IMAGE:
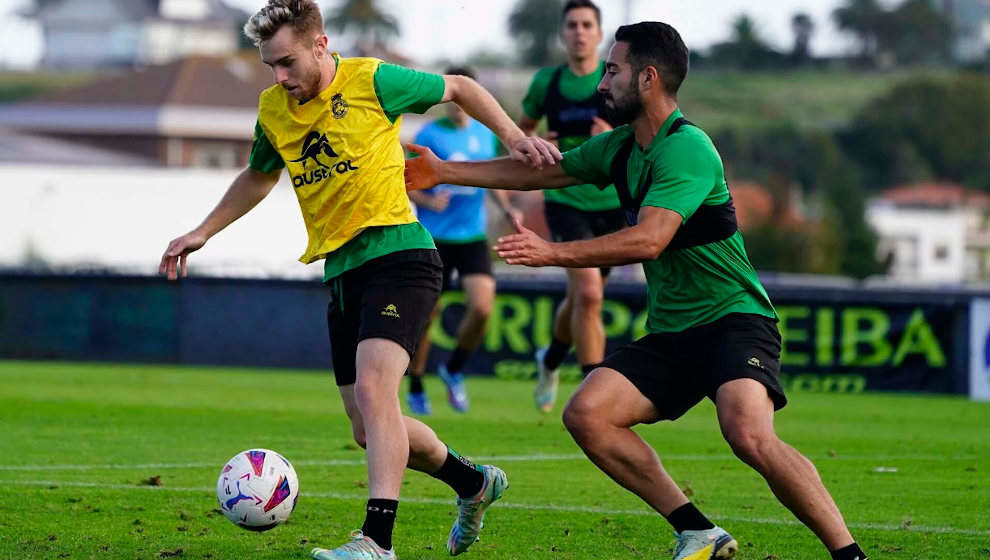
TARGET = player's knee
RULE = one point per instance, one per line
(367, 392)
(588, 298)
(751, 446)
(580, 419)
(480, 311)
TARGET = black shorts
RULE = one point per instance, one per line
(389, 297)
(465, 258)
(676, 370)
(567, 223)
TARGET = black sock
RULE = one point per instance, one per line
(588, 368)
(851, 552)
(688, 518)
(556, 353)
(461, 474)
(379, 520)
(415, 384)
(457, 359)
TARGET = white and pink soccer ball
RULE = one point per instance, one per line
(257, 489)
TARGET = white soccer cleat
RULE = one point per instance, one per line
(360, 548)
(545, 392)
(471, 511)
(706, 544)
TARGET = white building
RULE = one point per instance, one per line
(101, 33)
(933, 233)
(920, 244)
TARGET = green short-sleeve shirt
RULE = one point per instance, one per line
(403, 90)
(575, 88)
(399, 90)
(695, 285)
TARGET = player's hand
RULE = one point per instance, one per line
(421, 172)
(599, 125)
(534, 151)
(174, 260)
(439, 202)
(525, 247)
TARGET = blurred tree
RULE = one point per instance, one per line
(803, 28)
(913, 32)
(781, 158)
(846, 217)
(535, 25)
(745, 49)
(864, 19)
(917, 33)
(926, 127)
(803, 249)
(364, 17)
(484, 57)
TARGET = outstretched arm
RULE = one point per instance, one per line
(477, 102)
(247, 190)
(503, 173)
(641, 242)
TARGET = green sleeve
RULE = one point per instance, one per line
(684, 177)
(402, 90)
(590, 161)
(263, 157)
(532, 103)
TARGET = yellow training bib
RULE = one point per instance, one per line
(343, 155)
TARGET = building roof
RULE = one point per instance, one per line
(234, 81)
(936, 195)
(25, 148)
(208, 97)
(197, 97)
(141, 10)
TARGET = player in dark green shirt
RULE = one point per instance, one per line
(567, 97)
(712, 329)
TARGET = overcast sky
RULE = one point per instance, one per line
(431, 27)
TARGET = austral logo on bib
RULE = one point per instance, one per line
(314, 147)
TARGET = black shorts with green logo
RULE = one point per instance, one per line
(567, 223)
(676, 370)
(389, 297)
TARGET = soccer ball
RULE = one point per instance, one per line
(257, 489)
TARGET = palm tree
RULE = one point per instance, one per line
(535, 23)
(803, 28)
(744, 30)
(746, 48)
(366, 18)
(862, 18)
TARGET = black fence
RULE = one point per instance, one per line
(835, 339)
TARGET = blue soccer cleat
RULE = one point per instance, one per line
(419, 403)
(456, 392)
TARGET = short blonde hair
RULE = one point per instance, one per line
(303, 15)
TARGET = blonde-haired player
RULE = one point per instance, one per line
(333, 124)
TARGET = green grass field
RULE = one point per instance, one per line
(81, 441)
